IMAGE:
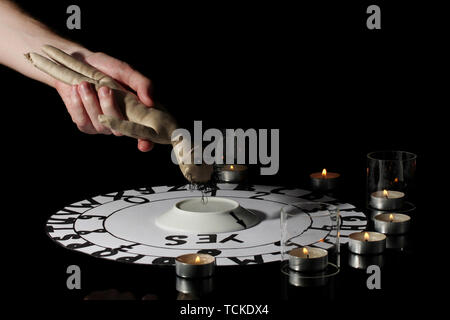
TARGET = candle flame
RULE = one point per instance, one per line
(232, 167)
(197, 259)
(396, 180)
(366, 236)
(391, 217)
(385, 193)
(305, 251)
(324, 173)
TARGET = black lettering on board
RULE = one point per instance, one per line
(164, 260)
(130, 259)
(176, 239)
(213, 252)
(231, 238)
(79, 245)
(91, 204)
(209, 238)
(258, 259)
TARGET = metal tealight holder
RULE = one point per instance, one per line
(309, 257)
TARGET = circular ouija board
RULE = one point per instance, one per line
(121, 225)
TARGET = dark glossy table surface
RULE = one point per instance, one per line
(105, 279)
(335, 90)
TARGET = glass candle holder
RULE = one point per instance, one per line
(390, 180)
(309, 242)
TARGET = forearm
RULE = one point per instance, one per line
(20, 34)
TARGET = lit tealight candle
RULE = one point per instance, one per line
(324, 181)
(233, 173)
(387, 200)
(367, 242)
(308, 259)
(392, 223)
(195, 265)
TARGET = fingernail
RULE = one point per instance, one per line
(84, 87)
(105, 91)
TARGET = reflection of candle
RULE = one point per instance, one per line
(392, 223)
(315, 279)
(194, 265)
(324, 181)
(195, 287)
(232, 173)
(308, 259)
(362, 262)
(387, 199)
(367, 242)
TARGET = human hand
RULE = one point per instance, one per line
(153, 124)
(84, 104)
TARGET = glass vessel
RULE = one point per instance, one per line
(309, 242)
(391, 180)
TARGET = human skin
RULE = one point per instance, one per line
(154, 124)
(20, 33)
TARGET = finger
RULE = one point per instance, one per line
(57, 71)
(72, 100)
(108, 105)
(138, 82)
(145, 145)
(143, 87)
(125, 74)
(130, 128)
(76, 66)
(92, 106)
(78, 113)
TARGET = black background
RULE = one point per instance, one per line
(334, 89)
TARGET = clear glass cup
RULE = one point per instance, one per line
(309, 242)
(391, 180)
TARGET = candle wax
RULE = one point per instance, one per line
(373, 236)
(191, 258)
(312, 253)
(397, 217)
(390, 194)
(236, 167)
(329, 175)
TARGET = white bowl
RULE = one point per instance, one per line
(215, 215)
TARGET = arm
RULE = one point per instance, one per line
(20, 33)
(154, 124)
